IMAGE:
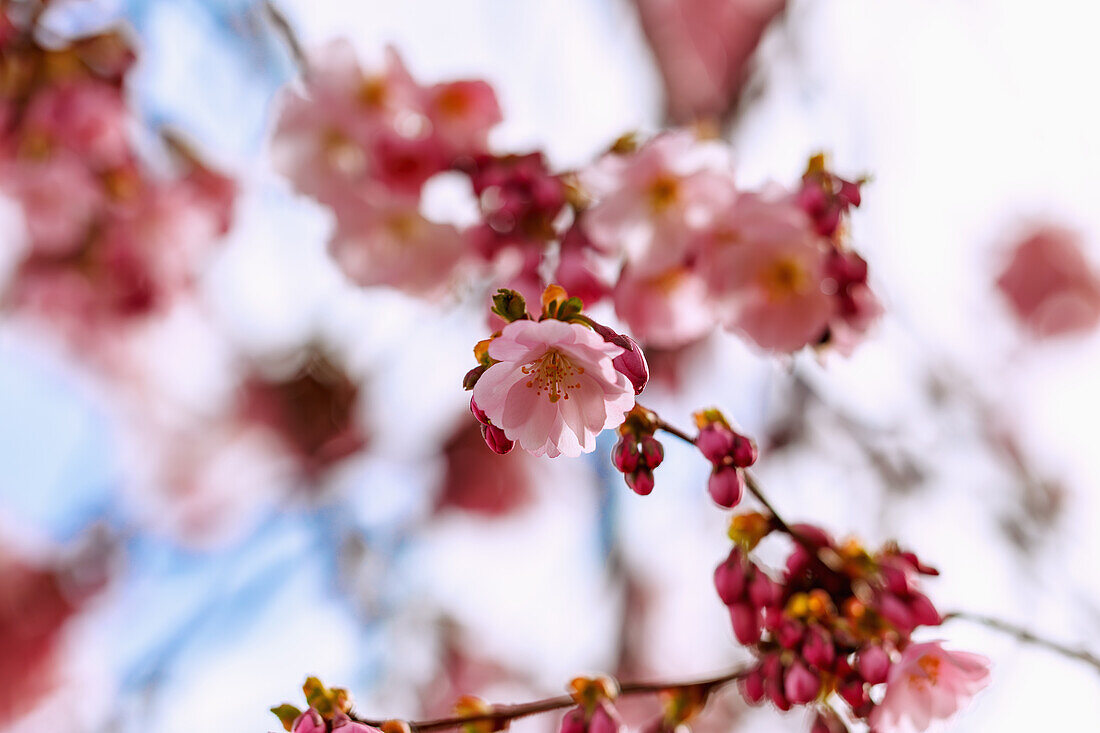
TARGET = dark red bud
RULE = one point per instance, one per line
(652, 451)
(873, 664)
(641, 481)
(729, 579)
(472, 376)
(496, 439)
(715, 442)
(800, 685)
(726, 486)
(746, 623)
(744, 451)
(625, 455)
(752, 686)
(923, 612)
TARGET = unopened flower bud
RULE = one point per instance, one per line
(309, 721)
(854, 692)
(509, 305)
(715, 442)
(773, 687)
(789, 633)
(574, 721)
(763, 591)
(752, 686)
(923, 612)
(641, 481)
(342, 723)
(873, 664)
(746, 623)
(632, 364)
(818, 649)
(729, 578)
(472, 376)
(743, 452)
(496, 439)
(800, 685)
(652, 450)
(604, 719)
(896, 612)
(478, 413)
(726, 486)
(625, 455)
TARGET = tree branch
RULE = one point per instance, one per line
(1027, 637)
(502, 714)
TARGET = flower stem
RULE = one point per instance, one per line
(1026, 636)
(287, 34)
(502, 714)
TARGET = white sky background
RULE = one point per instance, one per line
(972, 117)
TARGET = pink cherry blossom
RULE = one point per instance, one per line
(60, 199)
(650, 203)
(393, 244)
(666, 309)
(765, 265)
(928, 683)
(702, 49)
(554, 387)
(87, 118)
(1050, 286)
(462, 113)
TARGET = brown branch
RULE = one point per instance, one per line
(1027, 637)
(286, 32)
(502, 714)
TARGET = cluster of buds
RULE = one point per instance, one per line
(729, 453)
(595, 711)
(552, 383)
(827, 197)
(637, 451)
(834, 623)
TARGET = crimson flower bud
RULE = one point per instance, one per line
(309, 721)
(773, 686)
(726, 485)
(478, 413)
(715, 442)
(341, 722)
(873, 664)
(773, 616)
(853, 692)
(652, 451)
(641, 481)
(746, 623)
(472, 376)
(604, 719)
(763, 591)
(800, 684)
(496, 439)
(573, 721)
(923, 612)
(752, 686)
(818, 649)
(729, 578)
(896, 612)
(789, 634)
(631, 363)
(625, 454)
(744, 451)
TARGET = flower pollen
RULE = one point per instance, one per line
(550, 373)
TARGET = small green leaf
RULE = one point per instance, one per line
(286, 714)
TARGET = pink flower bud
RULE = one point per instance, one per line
(763, 591)
(478, 413)
(344, 724)
(573, 721)
(818, 648)
(309, 721)
(746, 623)
(873, 664)
(773, 687)
(923, 612)
(752, 686)
(853, 692)
(744, 451)
(896, 612)
(773, 616)
(496, 439)
(726, 485)
(715, 442)
(789, 634)
(652, 451)
(729, 578)
(800, 684)
(625, 454)
(895, 580)
(604, 719)
(641, 481)
(631, 363)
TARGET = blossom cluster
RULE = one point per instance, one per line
(108, 239)
(658, 227)
(839, 621)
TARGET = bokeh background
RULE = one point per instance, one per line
(950, 429)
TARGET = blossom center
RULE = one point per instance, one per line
(783, 278)
(373, 92)
(553, 374)
(663, 192)
(930, 669)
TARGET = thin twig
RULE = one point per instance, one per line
(504, 713)
(1026, 636)
(286, 32)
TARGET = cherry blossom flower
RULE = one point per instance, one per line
(87, 118)
(393, 244)
(462, 113)
(60, 199)
(765, 265)
(650, 203)
(1050, 286)
(928, 683)
(553, 387)
(702, 49)
(666, 309)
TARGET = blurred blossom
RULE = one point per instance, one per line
(703, 49)
(666, 309)
(478, 480)
(1050, 285)
(928, 683)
